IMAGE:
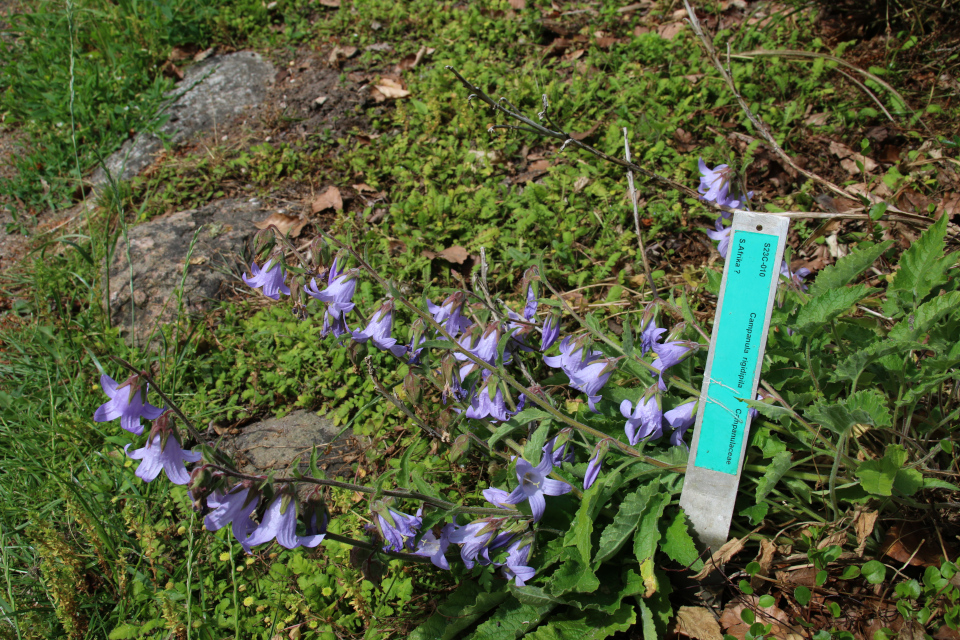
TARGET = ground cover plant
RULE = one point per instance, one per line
(855, 423)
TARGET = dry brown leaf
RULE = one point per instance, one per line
(330, 3)
(203, 55)
(363, 186)
(765, 559)
(729, 549)
(640, 30)
(391, 89)
(914, 543)
(284, 222)
(518, 4)
(329, 199)
(669, 30)
(171, 71)
(863, 523)
(779, 621)
(576, 54)
(849, 158)
(580, 184)
(817, 119)
(341, 53)
(698, 623)
(606, 42)
(950, 205)
(456, 254)
(539, 165)
(318, 102)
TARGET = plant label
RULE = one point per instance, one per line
(750, 278)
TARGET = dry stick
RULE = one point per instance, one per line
(636, 217)
(758, 123)
(506, 377)
(535, 128)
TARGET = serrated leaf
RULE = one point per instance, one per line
(847, 268)
(502, 432)
(581, 530)
(531, 414)
(627, 339)
(678, 544)
(851, 368)
(827, 306)
(512, 619)
(586, 625)
(780, 464)
(922, 267)
(874, 404)
(877, 476)
(461, 609)
(624, 523)
(536, 596)
(648, 532)
(908, 481)
(656, 612)
(572, 576)
(403, 478)
(775, 413)
(612, 590)
(916, 325)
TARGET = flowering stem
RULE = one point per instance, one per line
(636, 219)
(509, 379)
(410, 557)
(396, 401)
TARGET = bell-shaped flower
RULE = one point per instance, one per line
(280, 522)
(593, 465)
(334, 322)
(715, 186)
(417, 338)
(475, 537)
(449, 313)
(534, 485)
(436, 548)
(378, 331)
(269, 279)
(671, 353)
(591, 378)
(233, 508)
(339, 292)
(518, 555)
(489, 401)
(398, 529)
(723, 236)
(168, 456)
(572, 356)
(559, 447)
(644, 421)
(649, 333)
(680, 419)
(497, 497)
(797, 277)
(550, 332)
(127, 402)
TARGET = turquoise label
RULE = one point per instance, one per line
(737, 349)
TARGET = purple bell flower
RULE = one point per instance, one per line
(269, 279)
(282, 525)
(475, 537)
(550, 332)
(680, 419)
(334, 322)
(572, 357)
(721, 235)
(797, 276)
(339, 292)
(559, 449)
(497, 497)
(483, 405)
(233, 508)
(671, 353)
(644, 422)
(518, 554)
(534, 485)
(398, 529)
(593, 465)
(450, 312)
(378, 331)
(649, 336)
(127, 402)
(436, 548)
(170, 458)
(715, 186)
(591, 378)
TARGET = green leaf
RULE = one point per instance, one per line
(535, 596)
(624, 523)
(775, 413)
(872, 403)
(648, 533)
(461, 609)
(847, 268)
(934, 483)
(780, 464)
(586, 625)
(916, 326)
(403, 477)
(851, 368)
(533, 450)
(502, 432)
(802, 595)
(512, 619)
(922, 267)
(124, 632)
(656, 612)
(530, 414)
(908, 481)
(827, 306)
(572, 576)
(678, 544)
(627, 339)
(877, 476)
(874, 572)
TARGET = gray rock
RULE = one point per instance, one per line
(158, 250)
(274, 443)
(210, 94)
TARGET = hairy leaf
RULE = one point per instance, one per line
(586, 625)
(678, 544)
(780, 465)
(648, 533)
(461, 609)
(847, 268)
(827, 306)
(916, 325)
(512, 619)
(624, 523)
(922, 267)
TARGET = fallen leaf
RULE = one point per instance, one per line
(412, 60)
(950, 205)
(362, 187)
(179, 54)
(777, 618)
(817, 119)
(284, 223)
(539, 165)
(329, 199)
(640, 30)
(171, 70)
(669, 30)
(765, 560)
(580, 184)
(576, 54)
(455, 254)
(911, 542)
(341, 53)
(527, 176)
(698, 623)
(318, 102)
(391, 89)
(397, 247)
(518, 4)
(203, 55)
(606, 42)
(330, 3)
(429, 255)
(849, 158)
(721, 556)
(380, 46)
